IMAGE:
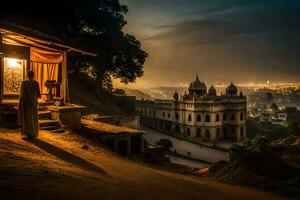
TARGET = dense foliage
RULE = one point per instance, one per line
(250, 148)
(273, 132)
(166, 143)
(263, 157)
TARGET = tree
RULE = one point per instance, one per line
(96, 25)
(274, 107)
(166, 143)
(119, 92)
(124, 59)
(269, 97)
(294, 128)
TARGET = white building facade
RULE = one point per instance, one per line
(200, 115)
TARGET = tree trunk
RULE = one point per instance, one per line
(99, 83)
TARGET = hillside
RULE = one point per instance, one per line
(55, 166)
(262, 164)
(137, 93)
(105, 105)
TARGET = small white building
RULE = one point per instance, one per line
(275, 117)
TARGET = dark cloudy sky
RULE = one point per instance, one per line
(221, 40)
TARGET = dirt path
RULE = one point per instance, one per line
(182, 147)
(56, 167)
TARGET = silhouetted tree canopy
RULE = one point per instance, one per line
(94, 25)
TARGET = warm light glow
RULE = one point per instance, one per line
(14, 63)
(13, 75)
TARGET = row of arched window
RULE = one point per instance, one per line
(198, 117)
(199, 132)
(150, 113)
(208, 118)
(164, 115)
(207, 132)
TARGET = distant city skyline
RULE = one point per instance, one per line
(221, 41)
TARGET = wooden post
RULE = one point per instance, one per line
(65, 88)
(1, 67)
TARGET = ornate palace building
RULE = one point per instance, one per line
(199, 115)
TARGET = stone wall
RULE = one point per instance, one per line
(129, 121)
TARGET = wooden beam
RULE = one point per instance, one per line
(66, 47)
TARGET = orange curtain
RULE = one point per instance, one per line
(44, 72)
(46, 56)
(45, 65)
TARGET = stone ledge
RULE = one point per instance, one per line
(108, 129)
(67, 108)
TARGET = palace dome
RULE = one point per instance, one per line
(212, 91)
(231, 88)
(197, 85)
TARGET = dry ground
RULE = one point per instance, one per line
(56, 167)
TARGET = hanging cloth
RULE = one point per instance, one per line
(44, 72)
(45, 56)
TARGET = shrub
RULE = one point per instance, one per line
(258, 145)
(261, 156)
(166, 143)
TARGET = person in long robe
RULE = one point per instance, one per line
(28, 107)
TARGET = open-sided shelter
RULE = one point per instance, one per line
(23, 49)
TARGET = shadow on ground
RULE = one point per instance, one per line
(66, 156)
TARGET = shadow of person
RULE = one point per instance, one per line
(66, 156)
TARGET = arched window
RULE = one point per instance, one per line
(169, 115)
(217, 118)
(242, 131)
(224, 130)
(198, 118)
(161, 125)
(188, 131)
(163, 114)
(224, 117)
(198, 134)
(233, 130)
(176, 116)
(190, 118)
(232, 117)
(207, 118)
(218, 134)
(177, 129)
(242, 116)
(207, 134)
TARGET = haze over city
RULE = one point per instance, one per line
(243, 41)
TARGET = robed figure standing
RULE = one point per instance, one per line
(28, 107)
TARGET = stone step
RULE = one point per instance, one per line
(42, 108)
(49, 128)
(48, 122)
(59, 130)
(44, 114)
